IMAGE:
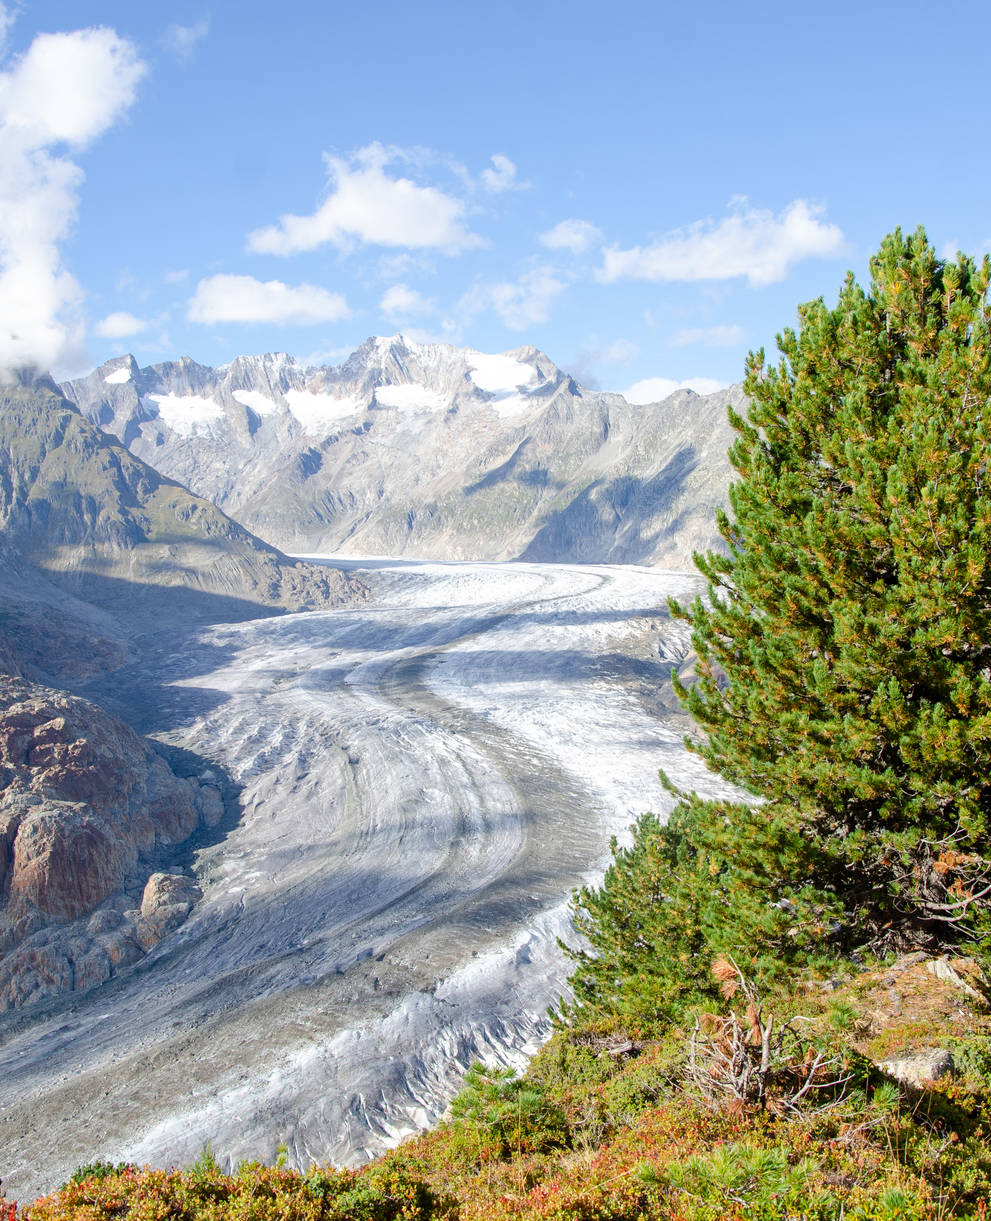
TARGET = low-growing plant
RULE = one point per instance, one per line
(99, 1170)
(205, 1165)
(742, 1176)
(500, 1114)
(886, 1096)
(842, 1014)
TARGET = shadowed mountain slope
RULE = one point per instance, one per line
(84, 524)
(97, 549)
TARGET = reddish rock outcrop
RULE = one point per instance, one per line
(85, 806)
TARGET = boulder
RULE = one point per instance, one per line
(86, 805)
(920, 1068)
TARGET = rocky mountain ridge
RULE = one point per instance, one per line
(428, 450)
(110, 530)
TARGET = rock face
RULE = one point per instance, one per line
(86, 807)
(428, 450)
(104, 528)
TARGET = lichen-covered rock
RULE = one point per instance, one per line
(85, 805)
(920, 1068)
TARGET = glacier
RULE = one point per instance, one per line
(423, 780)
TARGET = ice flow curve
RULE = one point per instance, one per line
(424, 779)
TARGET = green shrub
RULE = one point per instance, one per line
(499, 1114)
(99, 1170)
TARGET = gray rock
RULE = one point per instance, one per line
(920, 1068)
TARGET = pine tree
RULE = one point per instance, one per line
(845, 642)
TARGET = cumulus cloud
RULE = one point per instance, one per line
(574, 235)
(120, 325)
(400, 301)
(654, 389)
(56, 98)
(620, 352)
(519, 304)
(181, 40)
(225, 298)
(708, 336)
(751, 242)
(366, 204)
(502, 176)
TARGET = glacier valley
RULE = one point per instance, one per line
(422, 781)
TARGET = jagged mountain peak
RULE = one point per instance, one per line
(379, 361)
(427, 449)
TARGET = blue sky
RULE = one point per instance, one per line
(641, 190)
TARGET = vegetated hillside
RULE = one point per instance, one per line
(428, 450)
(872, 1105)
(105, 528)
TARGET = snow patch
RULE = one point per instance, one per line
(411, 397)
(506, 405)
(499, 373)
(258, 402)
(502, 377)
(118, 377)
(316, 411)
(187, 414)
(385, 343)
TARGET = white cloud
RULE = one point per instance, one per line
(502, 177)
(65, 90)
(179, 276)
(324, 356)
(120, 325)
(367, 205)
(181, 40)
(69, 88)
(751, 242)
(574, 235)
(225, 298)
(654, 389)
(520, 304)
(400, 301)
(708, 336)
(594, 353)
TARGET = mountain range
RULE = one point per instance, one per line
(427, 450)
